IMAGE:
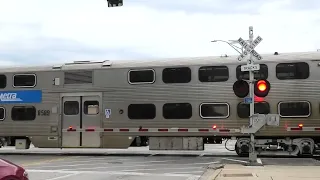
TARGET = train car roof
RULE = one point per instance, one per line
(164, 62)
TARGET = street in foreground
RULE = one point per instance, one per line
(50, 167)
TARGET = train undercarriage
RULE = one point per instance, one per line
(295, 146)
(292, 146)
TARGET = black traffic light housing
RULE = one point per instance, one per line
(241, 88)
(115, 3)
(261, 88)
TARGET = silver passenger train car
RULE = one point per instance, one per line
(165, 103)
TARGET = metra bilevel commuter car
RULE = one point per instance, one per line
(167, 104)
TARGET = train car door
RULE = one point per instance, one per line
(80, 120)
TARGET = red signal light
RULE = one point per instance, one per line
(262, 88)
(214, 127)
(262, 85)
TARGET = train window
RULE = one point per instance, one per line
(243, 109)
(213, 73)
(298, 70)
(214, 110)
(71, 107)
(294, 109)
(261, 74)
(78, 77)
(141, 76)
(177, 111)
(176, 75)
(91, 107)
(2, 113)
(3, 81)
(141, 111)
(24, 80)
(23, 113)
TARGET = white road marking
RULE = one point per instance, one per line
(91, 160)
(160, 169)
(216, 162)
(111, 173)
(65, 176)
(117, 166)
(188, 172)
(101, 163)
(193, 178)
(234, 160)
(130, 166)
(103, 167)
(143, 162)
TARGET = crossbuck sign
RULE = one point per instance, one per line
(249, 49)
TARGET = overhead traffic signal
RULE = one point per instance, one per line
(115, 3)
(261, 88)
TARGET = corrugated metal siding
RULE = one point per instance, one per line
(118, 94)
(40, 126)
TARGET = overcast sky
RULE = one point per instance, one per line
(50, 31)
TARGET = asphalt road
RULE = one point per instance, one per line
(130, 164)
(111, 167)
(50, 167)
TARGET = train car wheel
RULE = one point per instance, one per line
(240, 153)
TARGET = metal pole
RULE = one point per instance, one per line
(252, 154)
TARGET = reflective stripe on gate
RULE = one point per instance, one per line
(303, 128)
(135, 130)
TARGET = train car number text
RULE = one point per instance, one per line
(43, 112)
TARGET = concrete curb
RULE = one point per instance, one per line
(72, 154)
(215, 174)
(109, 154)
(213, 170)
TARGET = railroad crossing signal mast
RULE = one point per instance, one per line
(257, 121)
(249, 48)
